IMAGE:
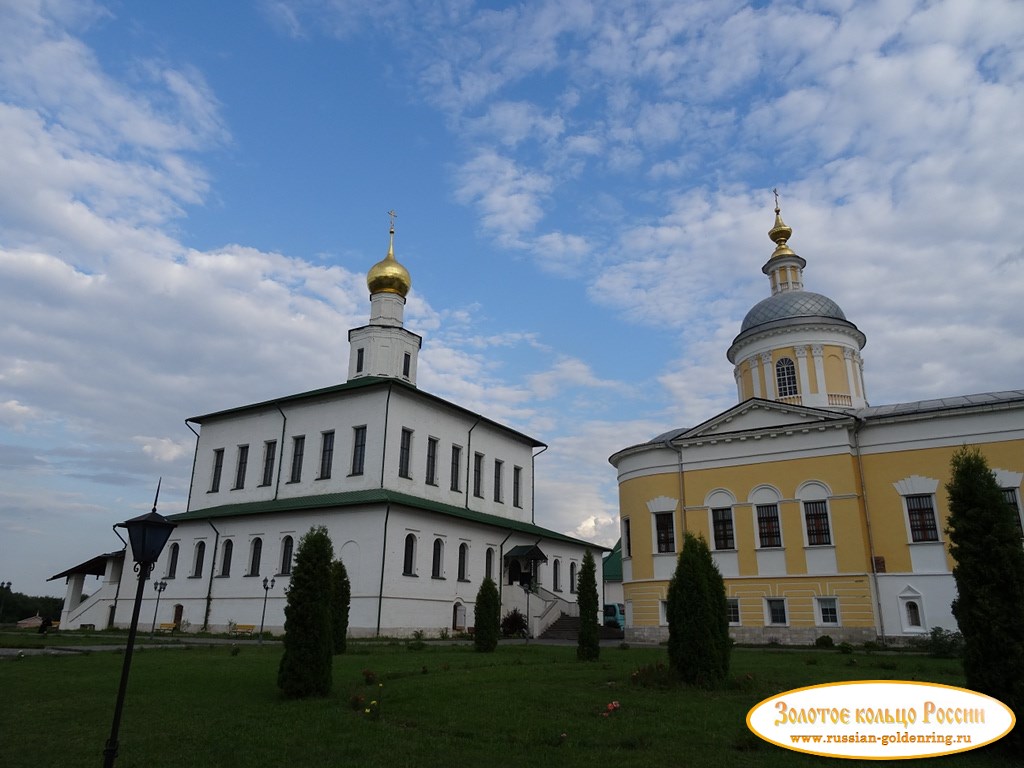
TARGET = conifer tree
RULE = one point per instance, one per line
(698, 624)
(588, 646)
(305, 668)
(487, 617)
(341, 597)
(985, 542)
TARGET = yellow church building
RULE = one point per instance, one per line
(825, 515)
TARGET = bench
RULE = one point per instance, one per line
(243, 629)
(167, 626)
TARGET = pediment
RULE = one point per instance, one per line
(755, 415)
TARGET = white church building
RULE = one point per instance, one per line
(421, 497)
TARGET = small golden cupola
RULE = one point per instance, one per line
(383, 347)
(388, 275)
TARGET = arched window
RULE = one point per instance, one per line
(225, 558)
(255, 553)
(437, 569)
(287, 547)
(489, 563)
(409, 562)
(572, 577)
(556, 576)
(785, 377)
(197, 565)
(913, 614)
(463, 561)
(172, 562)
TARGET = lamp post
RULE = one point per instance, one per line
(267, 586)
(159, 586)
(5, 589)
(148, 535)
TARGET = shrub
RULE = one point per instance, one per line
(513, 624)
(588, 645)
(341, 597)
(305, 668)
(698, 626)
(487, 617)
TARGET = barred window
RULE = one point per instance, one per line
(816, 519)
(1010, 495)
(921, 512)
(768, 529)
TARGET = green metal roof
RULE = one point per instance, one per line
(374, 496)
(613, 563)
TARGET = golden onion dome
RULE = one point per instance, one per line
(780, 233)
(387, 275)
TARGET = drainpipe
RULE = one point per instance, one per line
(384, 446)
(383, 561)
(195, 457)
(469, 457)
(682, 483)
(858, 424)
(280, 461)
(213, 569)
(533, 485)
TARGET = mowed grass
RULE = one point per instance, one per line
(438, 706)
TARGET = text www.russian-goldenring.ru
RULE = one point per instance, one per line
(885, 740)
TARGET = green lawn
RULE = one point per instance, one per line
(439, 706)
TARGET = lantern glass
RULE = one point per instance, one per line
(148, 534)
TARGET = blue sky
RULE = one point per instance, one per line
(191, 194)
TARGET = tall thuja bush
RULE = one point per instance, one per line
(985, 542)
(487, 617)
(698, 622)
(588, 647)
(305, 668)
(341, 597)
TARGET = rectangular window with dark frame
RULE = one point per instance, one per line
(828, 610)
(406, 364)
(1010, 496)
(326, 454)
(478, 475)
(627, 540)
(298, 449)
(498, 469)
(921, 512)
(456, 484)
(776, 611)
(517, 486)
(721, 519)
(218, 468)
(431, 476)
(768, 530)
(358, 450)
(269, 454)
(665, 532)
(359, 360)
(816, 520)
(243, 464)
(404, 451)
(732, 609)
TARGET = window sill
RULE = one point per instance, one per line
(214, 490)
(819, 546)
(464, 581)
(413, 575)
(323, 477)
(725, 549)
(195, 576)
(438, 578)
(355, 474)
(250, 575)
(264, 485)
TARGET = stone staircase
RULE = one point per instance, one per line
(568, 628)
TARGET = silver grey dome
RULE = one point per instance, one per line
(791, 304)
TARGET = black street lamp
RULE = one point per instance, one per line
(5, 590)
(267, 586)
(148, 534)
(159, 586)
